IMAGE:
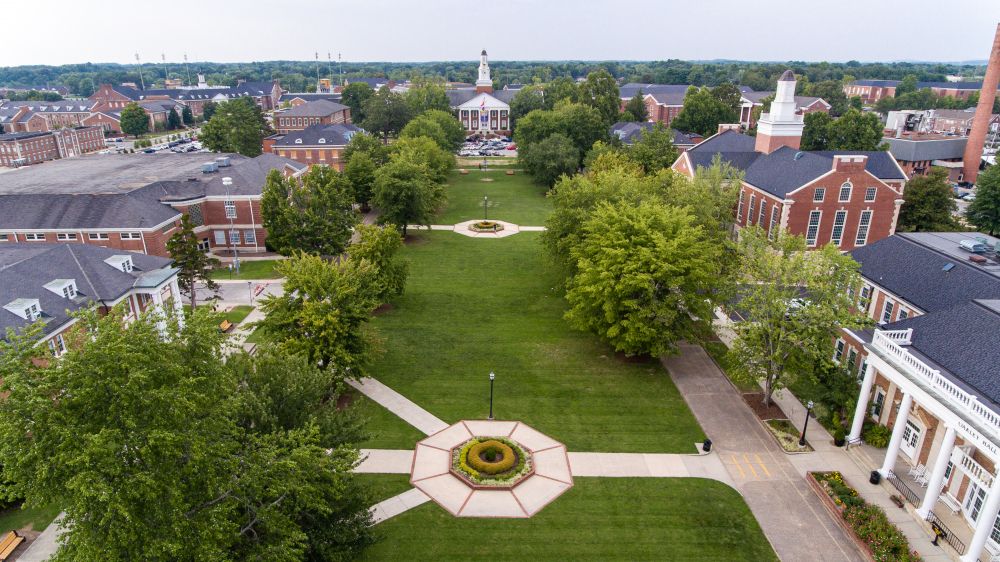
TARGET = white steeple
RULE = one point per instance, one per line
(484, 81)
(781, 127)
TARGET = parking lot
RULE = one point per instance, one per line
(490, 147)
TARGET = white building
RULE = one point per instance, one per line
(483, 111)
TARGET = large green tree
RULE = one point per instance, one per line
(324, 313)
(526, 100)
(424, 150)
(315, 216)
(134, 120)
(187, 115)
(369, 144)
(360, 173)
(795, 302)
(550, 159)
(816, 134)
(729, 95)
(646, 274)
(405, 193)
(984, 211)
(194, 263)
(702, 113)
(601, 92)
(562, 88)
(654, 150)
(636, 108)
(380, 246)
(354, 96)
(208, 109)
(832, 92)
(538, 126)
(854, 131)
(386, 112)
(929, 205)
(440, 126)
(583, 125)
(173, 119)
(238, 126)
(428, 97)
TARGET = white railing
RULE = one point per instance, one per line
(965, 402)
(960, 458)
(900, 337)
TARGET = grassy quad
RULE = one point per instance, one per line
(473, 306)
(517, 199)
(662, 519)
(257, 269)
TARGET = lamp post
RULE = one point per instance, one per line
(491, 396)
(228, 181)
(486, 207)
(805, 426)
(250, 288)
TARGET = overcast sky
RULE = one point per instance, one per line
(446, 30)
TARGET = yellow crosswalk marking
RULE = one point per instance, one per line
(738, 466)
(750, 465)
(762, 465)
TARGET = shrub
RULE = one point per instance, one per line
(505, 464)
(491, 455)
(877, 436)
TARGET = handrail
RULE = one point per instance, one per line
(949, 537)
(967, 403)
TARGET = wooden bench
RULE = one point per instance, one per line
(510, 172)
(8, 544)
(224, 327)
(463, 172)
(950, 501)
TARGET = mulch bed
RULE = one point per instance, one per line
(642, 358)
(755, 401)
(382, 308)
(344, 400)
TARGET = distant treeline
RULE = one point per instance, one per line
(83, 79)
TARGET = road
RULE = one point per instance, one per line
(238, 292)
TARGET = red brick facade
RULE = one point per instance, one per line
(289, 124)
(24, 150)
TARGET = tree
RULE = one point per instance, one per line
(855, 103)
(832, 92)
(386, 112)
(795, 302)
(134, 120)
(600, 91)
(526, 100)
(559, 89)
(654, 150)
(423, 150)
(379, 245)
(984, 211)
(646, 274)
(929, 205)
(405, 193)
(324, 312)
(314, 217)
(208, 109)
(86, 87)
(164, 454)
(854, 131)
(583, 125)
(429, 97)
(702, 113)
(973, 101)
(173, 119)
(636, 107)
(360, 174)
(538, 126)
(440, 126)
(187, 115)
(599, 149)
(354, 96)
(729, 95)
(550, 159)
(908, 85)
(194, 264)
(237, 126)
(368, 144)
(816, 134)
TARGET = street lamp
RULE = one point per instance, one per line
(228, 181)
(802, 440)
(250, 288)
(491, 396)
(486, 207)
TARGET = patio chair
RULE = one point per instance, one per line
(922, 479)
(917, 470)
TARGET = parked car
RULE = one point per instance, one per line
(965, 184)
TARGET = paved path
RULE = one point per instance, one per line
(641, 465)
(398, 504)
(791, 516)
(385, 461)
(45, 545)
(399, 405)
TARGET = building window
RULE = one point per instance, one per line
(774, 222)
(838, 226)
(845, 192)
(819, 194)
(813, 231)
(866, 219)
(887, 312)
(234, 236)
(220, 238)
(3, 237)
(131, 236)
(230, 209)
(865, 293)
(250, 237)
(839, 351)
(763, 213)
(903, 314)
(32, 313)
(750, 212)
(870, 194)
(97, 236)
(739, 215)
(852, 358)
(35, 236)
(69, 291)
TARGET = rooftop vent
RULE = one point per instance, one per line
(192, 179)
(208, 167)
(799, 155)
(948, 267)
(978, 259)
(222, 161)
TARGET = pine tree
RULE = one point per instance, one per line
(193, 263)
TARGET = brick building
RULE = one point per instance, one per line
(23, 149)
(295, 100)
(916, 153)
(42, 116)
(310, 113)
(630, 133)
(322, 143)
(264, 94)
(113, 200)
(483, 111)
(873, 90)
(849, 198)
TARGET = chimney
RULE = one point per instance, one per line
(977, 134)
(723, 127)
(781, 127)
(849, 163)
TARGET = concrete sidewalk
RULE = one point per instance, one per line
(398, 504)
(399, 405)
(45, 545)
(385, 461)
(640, 465)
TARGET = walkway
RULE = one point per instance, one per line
(398, 504)
(791, 516)
(399, 405)
(509, 229)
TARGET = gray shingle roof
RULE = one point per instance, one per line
(458, 97)
(309, 97)
(878, 83)
(316, 108)
(26, 267)
(632, 132)
(629, 90)
(931, 149)
(332, 134)
(373, 82)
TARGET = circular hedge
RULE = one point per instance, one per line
(505, 463)
(486, 226)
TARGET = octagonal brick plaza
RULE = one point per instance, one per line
(432, 461)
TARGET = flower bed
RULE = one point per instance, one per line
(486, 226)
(510, 463)
(868, 522)
(787, 436)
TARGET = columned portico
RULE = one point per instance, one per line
(984, 525)
(860, 411)
(892, 452)
(937, 476)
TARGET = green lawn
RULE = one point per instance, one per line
(475, 306)
(386, 486)
(257, 336)
(263, 269)
(517, 199)
(718, 351)
(388, 430)
(38, 517)
(235, 316)
(599, 519)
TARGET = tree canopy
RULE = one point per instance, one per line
(851, 131)
(635, 108)
(428, 97)
(406, 192)
(929, 204)
(440, 126)
(380, 246)
(239, 126)
(315, 217)
(550, 159)
(702, 113)
(354, 95)
(601, 92)
(134, 120)
(386, 112)
(526, 100)
(984, 211)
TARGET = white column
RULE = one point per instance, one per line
(861, 411)
(161, 322)
(892, 452)
(937, 476)
(984, 525)
(176, 297)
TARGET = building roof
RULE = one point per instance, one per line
(68, 106)
(788, 76)
(458, 97)
(316, 108)
(25, 269)
(959, 114)
(375, 83)
(675, 99)
(911, 266)
(785, 169)
(878, 83)
(329, 134)
(951, 85)
(309, 97)
(23, 135)
(918, 149)
(628, 91)
(632, 132)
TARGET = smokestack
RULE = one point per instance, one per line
(980, 123)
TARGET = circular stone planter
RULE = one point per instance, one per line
(485, 482)
(486, 226)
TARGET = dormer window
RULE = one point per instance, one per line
(322, 141)
(120, 262)
(27, 309)
(65, 288)
(298, 141)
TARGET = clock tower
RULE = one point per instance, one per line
(484, 83)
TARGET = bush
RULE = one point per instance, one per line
(505, 464)
(839, 434)
(877, 436)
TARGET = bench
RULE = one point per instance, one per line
(463, 172)
(510, 172)
(8, 544)
(950, 501)
(224, 327)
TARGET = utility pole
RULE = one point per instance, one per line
(340, 59)
(329, 64)
(141, 82)
(187, 68)
(165, 75)
(317, 71)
